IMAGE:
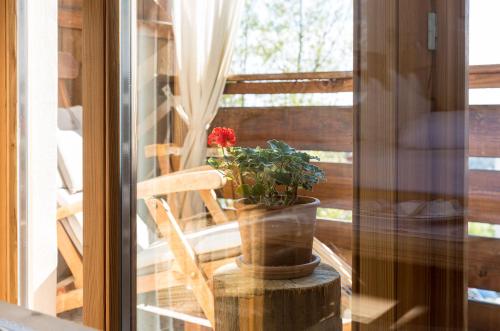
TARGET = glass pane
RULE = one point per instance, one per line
(317, 164)
(51, 157)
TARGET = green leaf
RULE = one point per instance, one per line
(258, 189)
(280, 146)
(243, 190)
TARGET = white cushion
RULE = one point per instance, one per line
(70, 118)
(59, 181)
(70, 159)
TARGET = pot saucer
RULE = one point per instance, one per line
(278, 272)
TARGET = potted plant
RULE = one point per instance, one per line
(276, 224)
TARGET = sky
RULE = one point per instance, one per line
(484, 32)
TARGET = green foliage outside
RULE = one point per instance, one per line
(277, 36)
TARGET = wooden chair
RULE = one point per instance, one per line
(184, 255)
(196, 254)
(68, 69)
(207, 255)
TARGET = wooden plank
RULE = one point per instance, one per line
(68, 66)
(69, 300)
(95, 301)
(483, 316)
(484, 194)
(399, 158)
(337, 235)
(484, 191)
(484, 131)
(313, 86)
(484, 263)
(70, 254)
(375, 26)
(73, 19)
(291, 76)
(483, 253)
(184, 256)
(484, 76)
(295, 125)
(331, 129)
(336, 192)
(70, 18)
(8, 152)
(480, 76)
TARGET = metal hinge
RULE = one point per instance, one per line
(432, 32)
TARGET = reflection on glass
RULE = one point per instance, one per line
(70, 163)
(249, 159)
(51, 160)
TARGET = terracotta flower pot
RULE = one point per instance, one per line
(277, 237)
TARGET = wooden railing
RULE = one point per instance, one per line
(330, 128)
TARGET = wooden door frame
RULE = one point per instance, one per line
(8, 152)
(109, 172)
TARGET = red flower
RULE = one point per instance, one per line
(223, 137)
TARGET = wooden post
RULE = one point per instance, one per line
(8, 152)
(308, 303)
(410, 146)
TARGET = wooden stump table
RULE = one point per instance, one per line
(249, 304)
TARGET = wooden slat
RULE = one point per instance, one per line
(332, 127)
(70, 254)
(336, 192)
(311, 86)
(73, 19)
(184, 256)
(480, 76)
(68, 66)
(337, 235)
(484, 76)
(484, 263)
(8, 152)
(484, 191)
(484, 131)
(94, 77)
(483, 253)
(70, 19)
(291, 76)
(313, 128)
(484, 196)
(483, 316)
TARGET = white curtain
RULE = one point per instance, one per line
(204, 32)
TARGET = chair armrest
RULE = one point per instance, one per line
(69, 210)
(157, 150)
(184, 181)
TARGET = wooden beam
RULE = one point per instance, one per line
(73, 19)
(483, 253)
(8, 152)
(484, 76)
(410, 145)
(291, 76)
(312, 86)
(95, 296)
(296, 127)
(70, 18)
(291, 124)
(484, 131)
(70, 254)
(483, 316)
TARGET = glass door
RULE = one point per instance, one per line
(325, 165)
(50, 157)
